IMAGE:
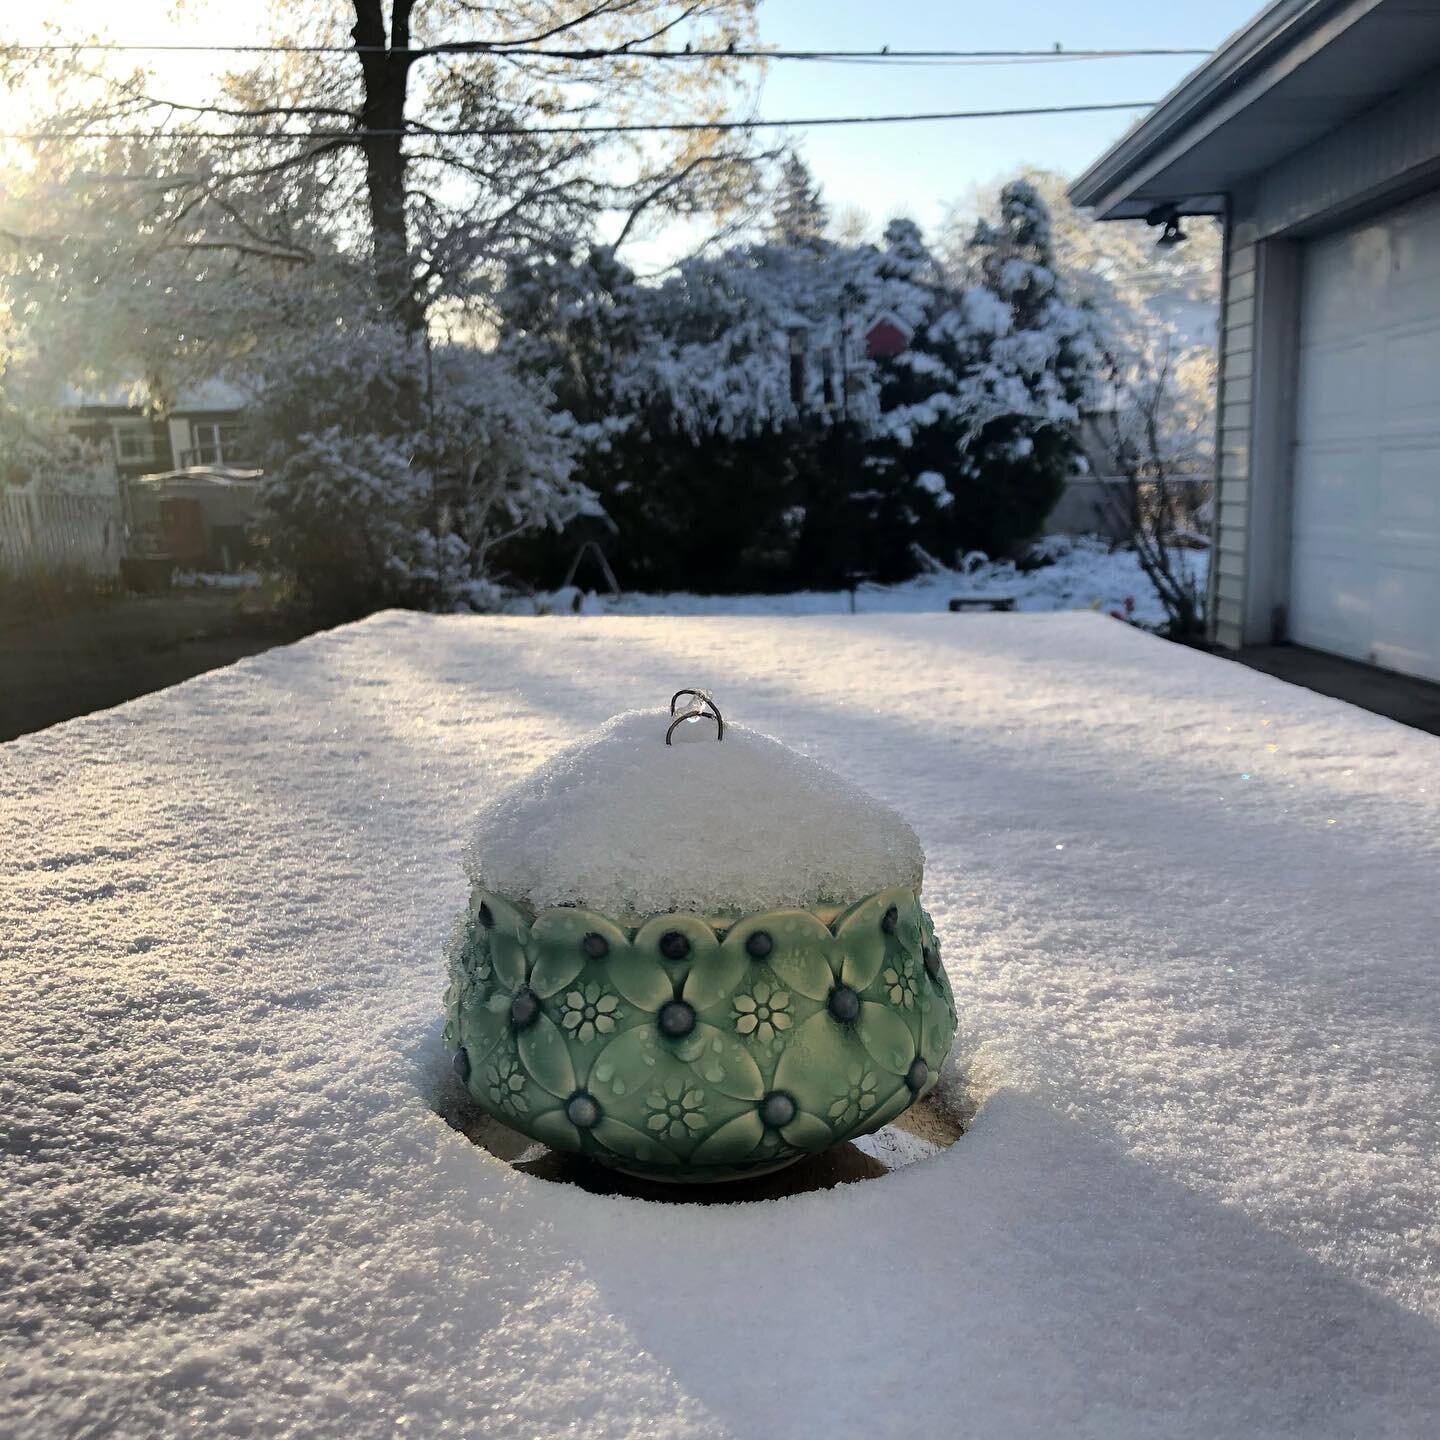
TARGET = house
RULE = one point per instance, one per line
(205, 426)
(1314, 133)
(188, 494)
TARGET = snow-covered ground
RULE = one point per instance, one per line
(1086, 575)
(1189, 913)
(217, 580)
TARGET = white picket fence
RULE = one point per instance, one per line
(52, 527)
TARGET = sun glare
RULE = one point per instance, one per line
(184, 75)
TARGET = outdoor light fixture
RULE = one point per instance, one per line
(1168, 218)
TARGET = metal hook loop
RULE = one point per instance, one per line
(701, 696)
(706, 710)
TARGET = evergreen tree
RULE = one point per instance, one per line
(739, 437)
(798, 213)
(983, 409)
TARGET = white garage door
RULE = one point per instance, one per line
(1365, 568)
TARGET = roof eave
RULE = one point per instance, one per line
(1287, 29)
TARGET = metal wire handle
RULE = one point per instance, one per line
(706, 709)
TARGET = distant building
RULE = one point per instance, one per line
(187, 486)
(205, 426)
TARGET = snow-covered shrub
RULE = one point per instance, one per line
(342, 516)
(390, 477)
(36, 446)
(989, 394)
(739, 435)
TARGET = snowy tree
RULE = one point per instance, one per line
(427, 156)
(983, 409)
(317, 203)
(577, 321)
(1153, 312)
(738, 433)
(1149, 410)
(368, 504)
(797, 212)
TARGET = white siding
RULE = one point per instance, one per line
(1227, 578)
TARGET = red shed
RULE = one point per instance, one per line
(887, 336)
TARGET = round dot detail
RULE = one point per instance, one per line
(759, 944)
(581, 1110)
(917, 1075)
(674, 945)
(676, 1018)
(597, 947)
(461, 1062)
(844, 1004)
(777, 1109)
(524, 1007)
(931, 956)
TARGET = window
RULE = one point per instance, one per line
(215, 444)
(134, 441)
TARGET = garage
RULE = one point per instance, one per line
(1365, 519)
(1313, 136)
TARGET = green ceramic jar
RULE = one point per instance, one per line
(696, 1047)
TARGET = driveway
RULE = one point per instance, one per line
(56, 668)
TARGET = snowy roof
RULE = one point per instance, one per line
(203, 395)
(889, 317)
(221, 476)
(629, 825)
(1189, 914)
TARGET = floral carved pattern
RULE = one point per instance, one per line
(675, 1048)
(589, 1012)
(676, 1111)
(761, 1012)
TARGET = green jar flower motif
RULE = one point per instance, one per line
(900, 983)
(675, 1111)
(589, 1011)
(505, 1085)
(761, 1012)
(858, 1100)
(692, 1047)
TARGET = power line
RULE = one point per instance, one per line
(667, 127)
(502, 47)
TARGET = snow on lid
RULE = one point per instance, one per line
(627, 825)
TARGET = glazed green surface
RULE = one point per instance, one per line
(686, 1052)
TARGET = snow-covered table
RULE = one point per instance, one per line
(1191, 918)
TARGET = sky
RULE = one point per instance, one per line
(916, 169)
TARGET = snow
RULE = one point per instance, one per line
(627, 825)
(216, 580)
(1189, 913)
(1086, 575)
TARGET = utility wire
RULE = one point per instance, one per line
(671, 127)
(503, 47)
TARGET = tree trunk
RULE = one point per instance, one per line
(385, 68)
